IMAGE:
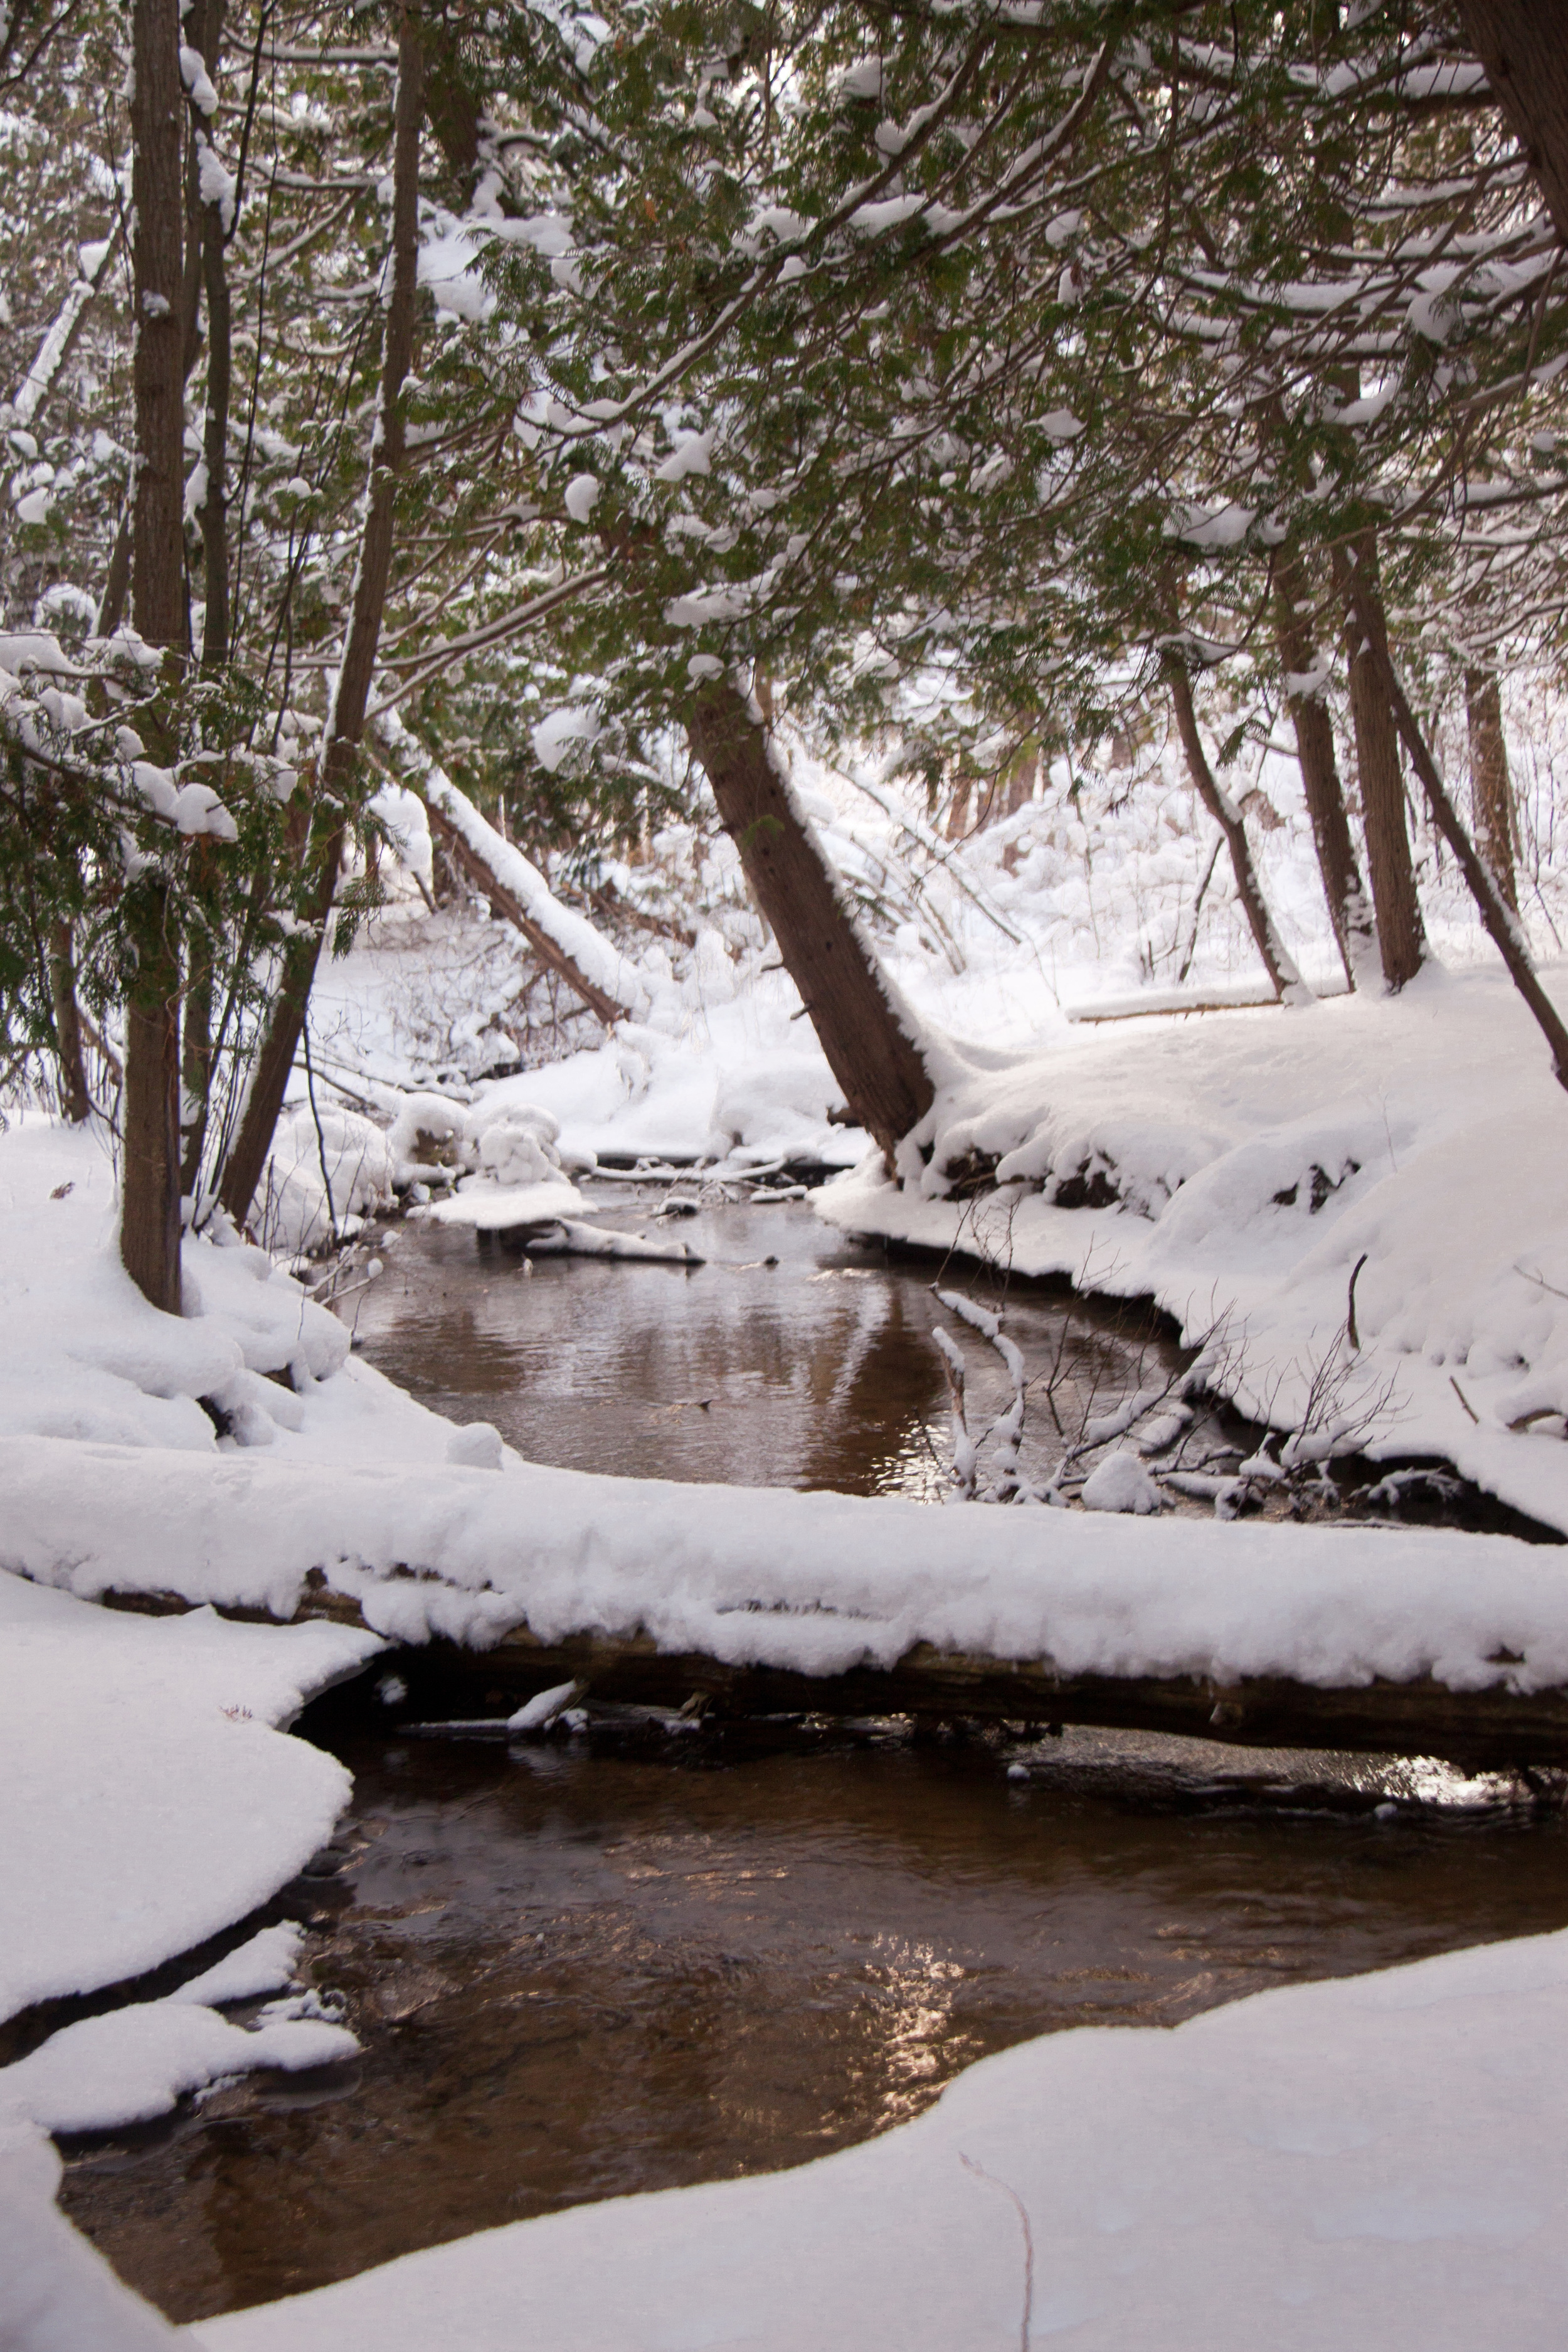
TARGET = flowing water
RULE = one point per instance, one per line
(634, 1960)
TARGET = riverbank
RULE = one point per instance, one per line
(245, 1457)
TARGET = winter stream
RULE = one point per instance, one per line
(614, 1963)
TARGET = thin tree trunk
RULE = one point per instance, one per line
(1490, 790)
(1286, 979)
(871, 1053)
(339, 777)
(1521, 44)
(150, 1192)
(1502, 924)
(1350, 911)
(195, 1064)
(75, 1101)
(1401, 936)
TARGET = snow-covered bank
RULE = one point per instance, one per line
(817, 1582)
(87, 1358)
(1239, 1166)
(1376, 2162)
(149, 1800)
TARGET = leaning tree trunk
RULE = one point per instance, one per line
(1401, 937)
(339, 772)
(1350, 912)
(1502, 924)
(1491, 789)
(1284, 978)
(1521, 44)
(869, 1050)
(149, 1192)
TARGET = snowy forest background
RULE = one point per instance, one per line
(1107, 454)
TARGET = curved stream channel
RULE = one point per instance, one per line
(611, 1963)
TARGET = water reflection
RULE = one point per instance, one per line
(814, 1370)
(577, 1976)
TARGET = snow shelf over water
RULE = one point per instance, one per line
(1374, 2162)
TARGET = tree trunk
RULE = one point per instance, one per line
(1350, 912)
(1490, 790)
(870, 1050)
(75, 1101)
(338, 782)
(1287, 980)
(1401, 937)
(214, 511)
(195, 1064)
(149, 1192)
(1502, 924)
(1521, 44)
(150, 1105)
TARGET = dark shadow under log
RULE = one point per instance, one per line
(1496, 1728)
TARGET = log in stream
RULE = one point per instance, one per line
(1496, 1728)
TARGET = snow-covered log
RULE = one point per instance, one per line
(592, 966)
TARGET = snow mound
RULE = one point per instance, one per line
(134, 2063)
(1120, 1483)
(324, 1166)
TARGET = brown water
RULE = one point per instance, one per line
(642, 1959)
(793, 1357)
(578, 1974)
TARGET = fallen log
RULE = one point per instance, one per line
(503, 902)
(1493, 1729)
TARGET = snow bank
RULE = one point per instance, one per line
(325, 1166)
(1241, 1167)
(57, 2292)
(87, 1357)
(134, 2063)
(149, 1802)
(814, 1581)
(1372, 2162)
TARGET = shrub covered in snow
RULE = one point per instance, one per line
(324, 1167)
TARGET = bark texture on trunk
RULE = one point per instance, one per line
(158, 373)
(1401, 935)
(1502, 922)
(75, 1101)
(1349, 909)
(886, 1084)
(1524, 45)
(1276, 960)
(195, 1064)
(150, 1188)
(150, 1102)
(338, 779)
(1491, 791)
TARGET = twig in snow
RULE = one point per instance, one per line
(1026, 2320)
(1464, 1399)
(1350, 1308)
